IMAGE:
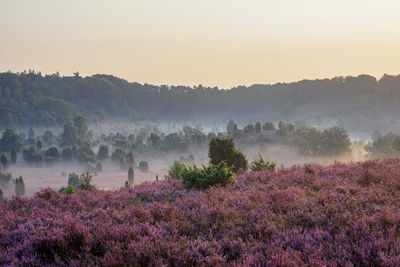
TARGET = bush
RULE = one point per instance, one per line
(211, 175)
(268, 126)
(103, 152)
(67, 190)
(5, 179)
(176, 170)
(223, 149)
(1, 195)
(13, 156)
(67, 153)
(130, 176)
(4, 161)
(144, 166)
(84, 181)
(73, 180)
(259, 165)
(19, 186)
(117, 154)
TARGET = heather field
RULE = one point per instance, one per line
(340, 215)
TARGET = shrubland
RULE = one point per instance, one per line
(338, 215)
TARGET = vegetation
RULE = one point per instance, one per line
(261, 165)
(19, 186)
(176, 170)
(130, 176)
(144, 166)
(384, 146)
(211, 175)
(326, 216)
(223, 149)
(29, 98)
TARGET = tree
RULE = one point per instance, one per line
(155, 140)
(13, 156)
(130, 159)
(257, 127)
(66, 153)
(267, 126)
(19, 186)
(259, 165)
(223, 149)
(80, 123)
(230, 127)
(103, 152)
(31, 134)
(176, 170)
(130, 176)
(70, 134)
(39, 144)
(144, 166)
(249, 128)
(4, 161)
(121, 163)
(9, 141)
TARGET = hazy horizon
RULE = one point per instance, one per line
(224, 43)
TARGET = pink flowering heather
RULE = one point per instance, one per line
(340, 215)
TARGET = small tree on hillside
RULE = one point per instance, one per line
(19, 186)
(223, 149)
(130, 176)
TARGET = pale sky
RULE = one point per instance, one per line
(211, 42)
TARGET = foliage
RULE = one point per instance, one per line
(176, 170)
(10, 140)
(66, 153)
(331, 141)
(67, 190)
(223, 149)
(384, 146)
(144, 166)
(267, 126)
(103, 152)
(130, 176)
(70, 134)
(13, 156)
(5, 179)
(211, 175)
(19, 186)
(4, 161)
(299, 216)
(1, 195)
(73, 180)
(32, 155)
(260, 165)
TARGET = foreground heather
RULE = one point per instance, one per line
(345, 214)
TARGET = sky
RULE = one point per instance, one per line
(222, 43)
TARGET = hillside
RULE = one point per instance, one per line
(344, 214)
(29, 98)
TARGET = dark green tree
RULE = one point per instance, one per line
(144, 166)
(9, 141)
(223, 149)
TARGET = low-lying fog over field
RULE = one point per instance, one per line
(267, 144)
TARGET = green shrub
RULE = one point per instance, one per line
(259, 165)
(211, 175)
(67, 190)
(176, 170)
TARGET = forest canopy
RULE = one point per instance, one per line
(30, 98)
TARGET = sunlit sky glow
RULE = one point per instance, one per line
(213, 42)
